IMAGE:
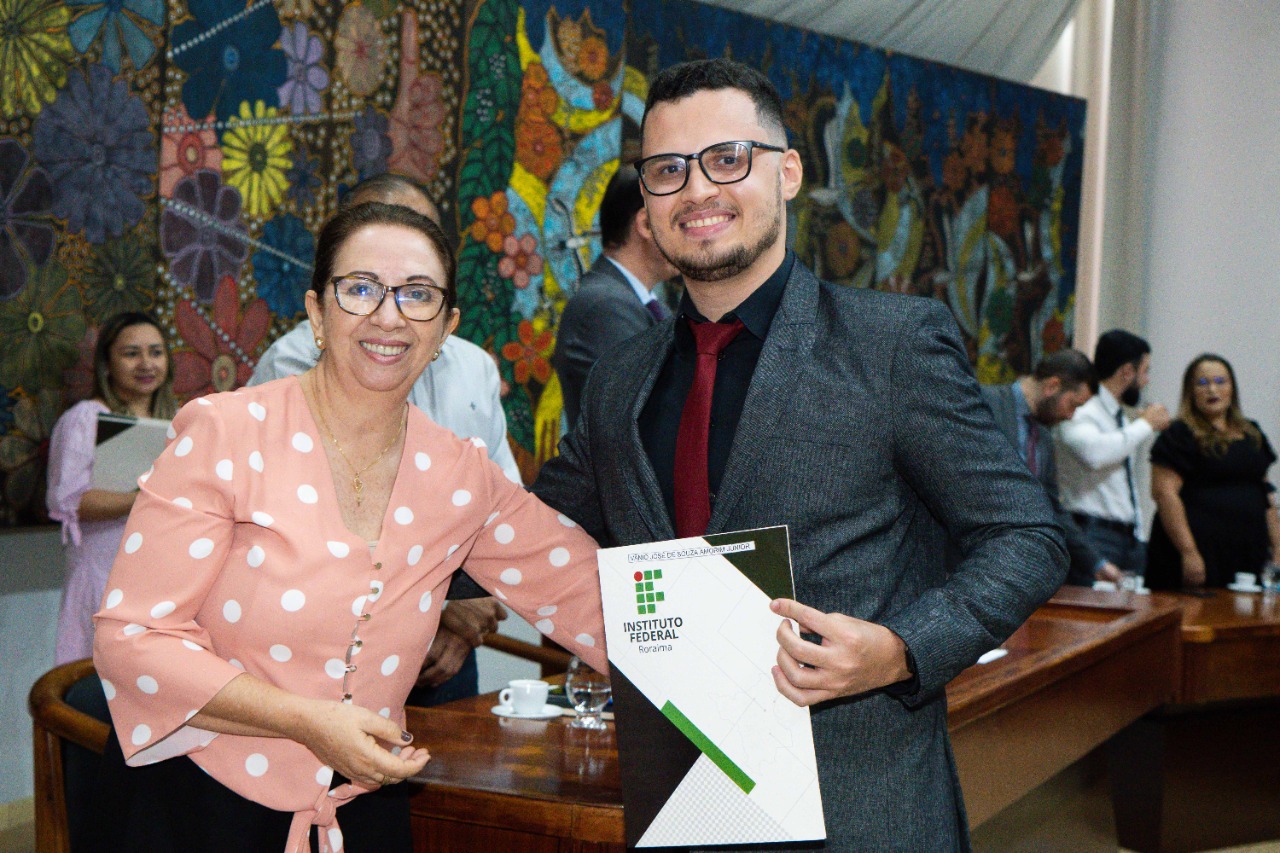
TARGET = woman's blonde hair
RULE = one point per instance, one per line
(163, 403)
(1213, 442)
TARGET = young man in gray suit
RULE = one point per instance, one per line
(850, 415)
(1026, 412)
(615, 299)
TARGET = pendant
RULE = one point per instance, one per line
(358, 485)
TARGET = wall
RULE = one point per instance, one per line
(1212, 267)
(30, 588)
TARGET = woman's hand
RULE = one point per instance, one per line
(357, 743)
(1193, 571)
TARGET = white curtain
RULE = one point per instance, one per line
(1006, 38)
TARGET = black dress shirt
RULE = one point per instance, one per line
(660, 418)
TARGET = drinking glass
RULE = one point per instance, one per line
(589, 691)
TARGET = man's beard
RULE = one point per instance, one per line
(700, 265)
(1132, 394)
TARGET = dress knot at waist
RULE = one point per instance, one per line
(323, 815)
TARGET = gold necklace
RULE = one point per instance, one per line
(356, 483)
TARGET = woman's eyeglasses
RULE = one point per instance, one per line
(362, 296)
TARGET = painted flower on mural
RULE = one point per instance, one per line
(96, 142)
(539, 148)
(953, 172)
(120, 276)
(894, 169)
(78, 379)
(493, 222)
(1050, 146)
(307, 80)
(381, 8)
(602, 95)
(185, 148)
(1054, 335)
(34, 54)
(221, 341)
(537, 96)
(297, 8)
(974, 145)
(529, 355)
(569, 38)
(255, 155)
(370, 145)
(39, 329)
(24, 450)
(1004, 147)
(841, 251)
(362, 50)
(1002, 212)
(282, 264)
(419, 114)
(26, 234)
(202, 235)
(120, 22)
(593, 58)
(228, 54)
(521, 260)
(303, 178)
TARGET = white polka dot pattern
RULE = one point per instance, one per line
(335, 668)
(255, 557)
(133, 543)
(324, 776)
(256, 765)
(559, 557)
(146, 475)
(231, 611)
(169, 433)
(546, 626)
(262, 519)
(236, 664)
(335, 839)
(424, 603)
(490, 519)
(357, 606)
(225, 470)
(461, 497)
(184, 446)
(293, 600)
(385, 712)
(302, 442)
(415, 554)
(308, 494)
(421, 461)
(339, 549)
(114, 598)
(586, 640)
(376, 590)
(511, 577)
(200, 549)
(185, 503)
(477, 441)
(452, 548)
(549, 610)
(403, 515)
(281, 653)
(258, 412)
(566, 520)
(195, 647)
(148, 685)
(390, 664)
(163, 609)
(255, 461)
(141, 734)
(132, 629)
(504, 533)
(109, 689)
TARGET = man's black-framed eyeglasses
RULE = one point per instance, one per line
(722, 163)
(362, 296)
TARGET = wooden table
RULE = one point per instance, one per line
(1083, 667)
(1204, 772)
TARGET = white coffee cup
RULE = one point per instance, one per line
(524, 695)
(1246, 579)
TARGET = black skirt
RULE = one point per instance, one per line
(175, 806)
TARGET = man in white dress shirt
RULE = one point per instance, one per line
(1097, 450)
(459, 391)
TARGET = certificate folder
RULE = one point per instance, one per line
(125, 448)
(710, 752)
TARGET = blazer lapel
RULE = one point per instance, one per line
(788, 345)
(632, 461)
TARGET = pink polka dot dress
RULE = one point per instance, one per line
(236, 558)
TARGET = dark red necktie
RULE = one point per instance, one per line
(692, 489)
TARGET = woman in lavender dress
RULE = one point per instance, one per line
(133, 375)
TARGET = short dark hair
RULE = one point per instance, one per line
(1071, 367)
(1117, 348)
(622, 201)
(688, 78)
(348, 220)
(383, 188)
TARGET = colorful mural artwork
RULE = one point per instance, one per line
(179, 156)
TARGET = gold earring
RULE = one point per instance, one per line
(320, 343)
(436, 356)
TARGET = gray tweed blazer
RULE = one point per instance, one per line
(864, 430)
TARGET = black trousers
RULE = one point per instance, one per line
(175, 806)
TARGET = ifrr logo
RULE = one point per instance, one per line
(646, 595)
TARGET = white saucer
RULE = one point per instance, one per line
(1235, 587)
(548, 712)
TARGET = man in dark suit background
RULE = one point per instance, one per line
(614, 299)
(850, 415)
(1026, 412)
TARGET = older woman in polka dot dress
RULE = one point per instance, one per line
(283, 571)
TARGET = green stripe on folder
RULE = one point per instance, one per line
(709, 749)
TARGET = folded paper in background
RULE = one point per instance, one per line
(126, 447)
(710, 752)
